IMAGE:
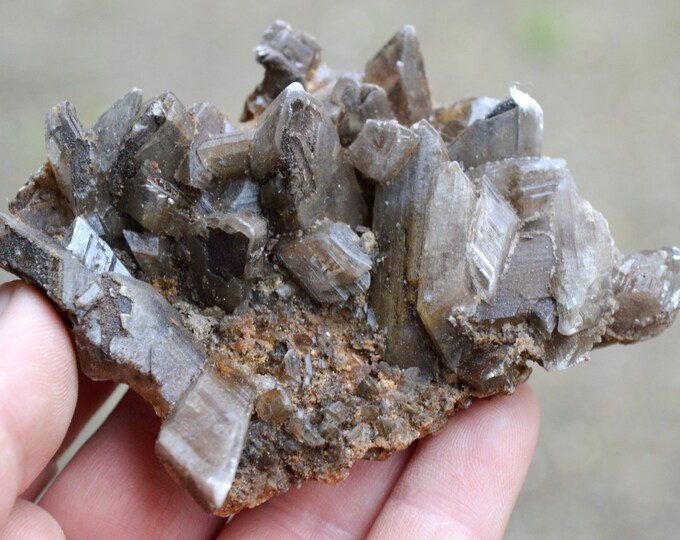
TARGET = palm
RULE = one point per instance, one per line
(460, 484)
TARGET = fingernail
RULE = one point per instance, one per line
(6, 292)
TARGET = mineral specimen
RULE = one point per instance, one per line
(328, 280)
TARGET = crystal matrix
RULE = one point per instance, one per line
(329, 279)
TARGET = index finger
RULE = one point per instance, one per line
(463, 483)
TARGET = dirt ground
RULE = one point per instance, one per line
(607, 73)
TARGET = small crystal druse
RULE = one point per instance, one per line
(329, 279)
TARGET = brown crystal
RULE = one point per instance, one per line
(403, 201)
(210, 124)
(297, 156)
(451, 119)
(399, 68)
(41, 204)
(382, 148)
(328, 262)
(152, 253)
(287, 56)
(356, 103)
(205, 427)
(513, 129)
(228, 155)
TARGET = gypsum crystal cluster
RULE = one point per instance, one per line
(329, 279)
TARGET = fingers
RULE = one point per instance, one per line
(116, 488)
(28, 522)
(319, 510)
(32, 492)
(38, 386)
(91, 396)
(463, 483)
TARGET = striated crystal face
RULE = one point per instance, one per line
(228, 155)
(329, 279)
(328, 262)
(445, 281)
(514, 128)
(215, 412)
(491, 236)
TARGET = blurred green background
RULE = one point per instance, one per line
(607, 73)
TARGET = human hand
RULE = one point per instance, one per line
(460, 484)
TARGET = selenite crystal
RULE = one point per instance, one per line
(68, 152)
(328, 262)
(152, 254)
(84, 242)
(296, 155)
(647, 286)
(353, 103)
(399, 68)
(208, 425)
(41, 204)
(445, 275)
(453, 118)
(111, 127)
(328, 280)
(493, 230)
(514, 128)
(287, 56)
(382, 148)
(228, 155)
(209, 123)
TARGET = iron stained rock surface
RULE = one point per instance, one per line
(329, 279)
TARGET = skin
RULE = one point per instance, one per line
(462, 483)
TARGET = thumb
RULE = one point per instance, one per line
(38, 387)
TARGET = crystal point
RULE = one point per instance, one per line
(287, 56)
(201, 442)
(159, 139)
(152, 253)
(210, 123)
(41, 204)
(382, 148)
(399, 68)
(585, 261)
(297, 156)
(68, 152)
(451, 119)
(445, 281)
(112, 127)
(513, 129)
(356, 104)
(647, 288)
